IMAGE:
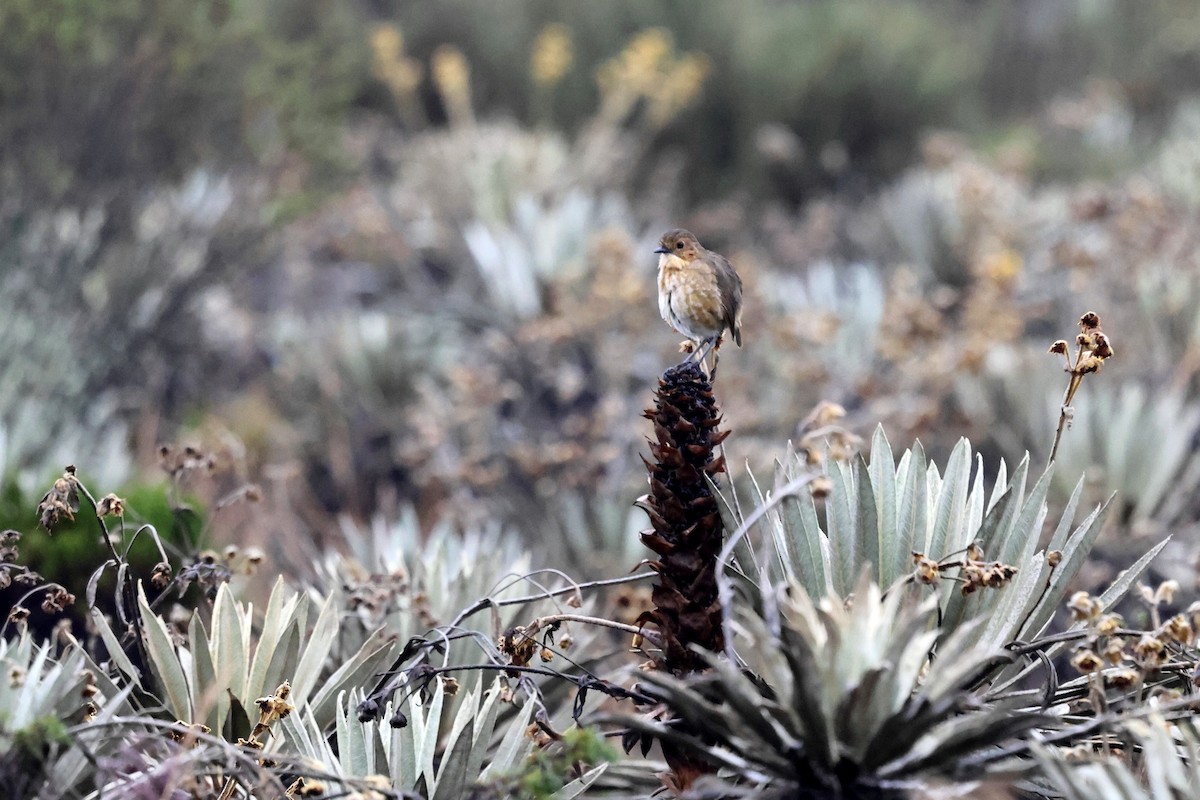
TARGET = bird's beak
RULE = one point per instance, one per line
(662, 250)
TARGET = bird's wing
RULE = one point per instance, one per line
(730, 286)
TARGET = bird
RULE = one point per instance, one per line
(699, 293)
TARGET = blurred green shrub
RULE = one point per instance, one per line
(98, 98)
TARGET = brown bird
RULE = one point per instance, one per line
(699, 294)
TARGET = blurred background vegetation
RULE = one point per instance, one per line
(386, 255)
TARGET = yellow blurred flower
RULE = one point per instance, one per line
(678, 89)
(452, 75)
(644, 55)
(648, 68)
(1002, 266)
(552, 55)
(387, 42)
(389, 65)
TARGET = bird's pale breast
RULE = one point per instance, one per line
(689, 298)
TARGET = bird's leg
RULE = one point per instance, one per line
(706, 347)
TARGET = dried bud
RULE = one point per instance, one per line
(161, 576)
(1165, 593)
(1109, 624)
(312, 788)
(926, 570)
(1121, 678)
(1059, 347)
(368, 710)
(1179, 629)
(1054, 558)
(450, 686)
(1086, 661)
(1083, 607)
(546, 654)
(1114, 650)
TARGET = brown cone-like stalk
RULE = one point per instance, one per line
(687, 530)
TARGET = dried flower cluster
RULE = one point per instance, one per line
(179, 462)
(974, 571)
(648, 69)
(1092, 350)
(61, 502)
(821, 439)
(1118, 657)
(271, 709)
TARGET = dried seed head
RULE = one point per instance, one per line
(972, 575)
(1108, 624)
(1059, 347)
(62, 501)
(1089, 321)
(110, 506)
(57, 600)
(1054, 558)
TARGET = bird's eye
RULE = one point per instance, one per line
(679, 245)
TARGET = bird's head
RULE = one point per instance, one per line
(679, 243)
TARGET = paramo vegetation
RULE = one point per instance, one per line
(387, 481)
